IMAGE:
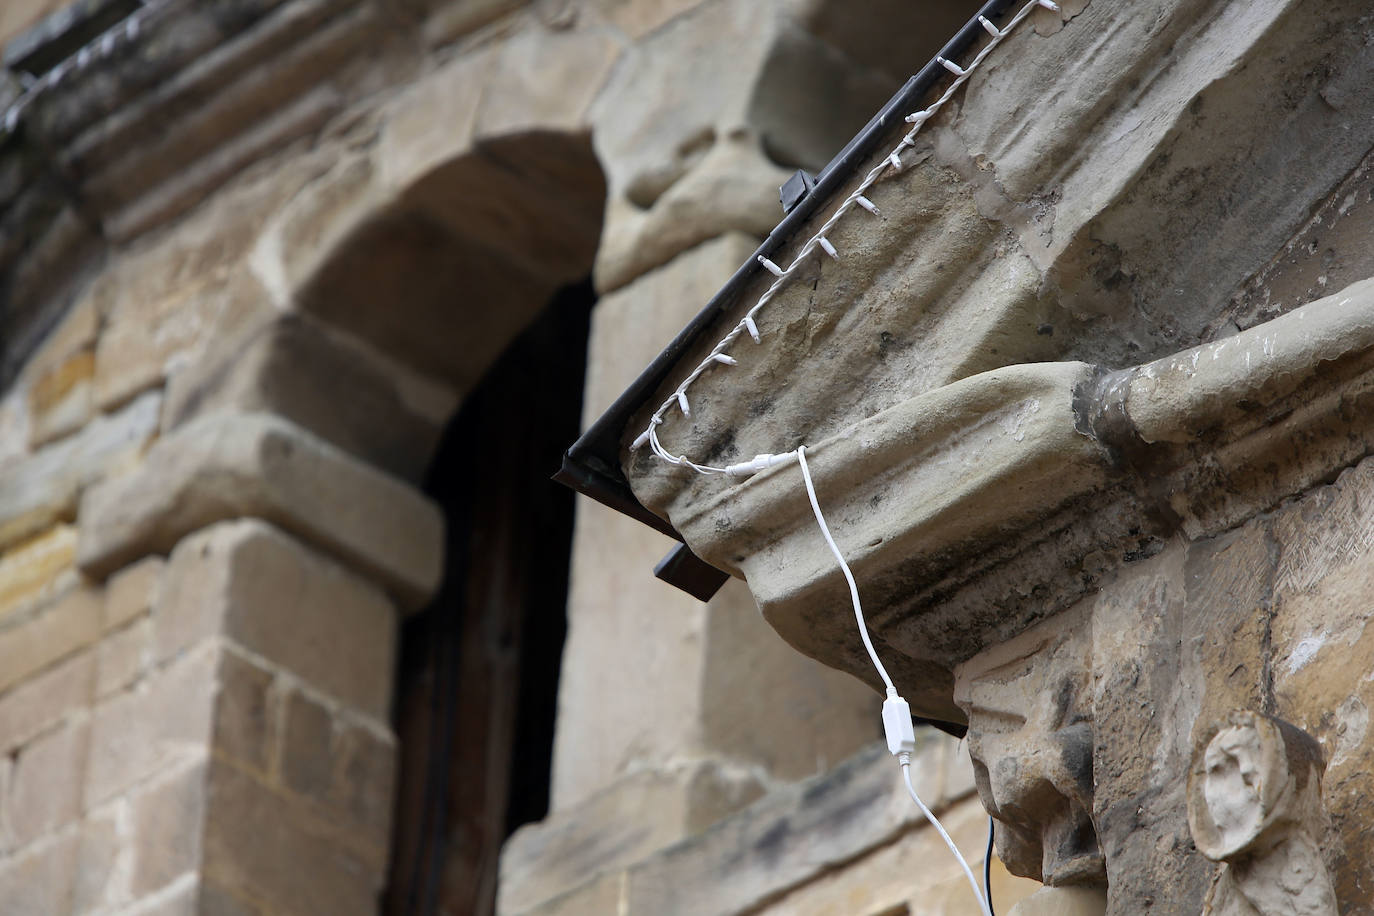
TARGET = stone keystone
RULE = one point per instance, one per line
(257, 465)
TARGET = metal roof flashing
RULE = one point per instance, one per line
(591, 465)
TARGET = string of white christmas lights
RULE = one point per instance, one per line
(888, 166)
(98, 48)
(897, 722)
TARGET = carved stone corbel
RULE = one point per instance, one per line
(1254, 805)
(1029, 707)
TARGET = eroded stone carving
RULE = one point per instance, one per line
(1254, 804)
(1030, 735)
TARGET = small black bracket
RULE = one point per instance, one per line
(687, 571)
(795, 189)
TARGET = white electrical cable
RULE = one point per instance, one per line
(935, 822)
(844, 567)
(901, 738)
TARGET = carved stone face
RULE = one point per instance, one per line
(1030, 736)
(1232, 785)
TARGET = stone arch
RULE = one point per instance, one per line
(438, 253)
(442, 272)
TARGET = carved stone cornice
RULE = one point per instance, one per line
(972, 511)
(956, 374)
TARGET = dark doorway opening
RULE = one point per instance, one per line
(478, 670)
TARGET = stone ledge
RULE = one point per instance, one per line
(292, 367)
(785, 839)
(961, 508)
(257, 465)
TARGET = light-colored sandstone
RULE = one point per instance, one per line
(453, 19)
(259, 843)
(122, 656)
(545, 81)
(293, 368)
(45, 790)
(604, 833)
(790, 835)
(144, 338)
(60, 400)
(60, 374)
(230, 465)
(45, 699)
(914, 874)
(247, 713)
(547, 868)
(131, 592)
(21, 15)
(169, 820)
(32, 641)
(98, 882)
(346, 771)
(1028, 702)
(40, 879)
(249, 582)
(42, 488)
(638, 18)
(1062, 901)
(163, 722)
(1254, 803)
(31, 569)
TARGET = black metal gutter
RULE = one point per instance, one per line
(592, 464)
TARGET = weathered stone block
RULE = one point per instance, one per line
(428, 124)
(42, 488)
(76, 333)
(725, 185)
(913, 874)
(122, 656)
(39, 880)
(604, 895)
(791, 835)
(457, 18)
(45, 789)
(347, 770)
(165, 721)
(258, 842)
(169, 823)
(31, 642)
(294, 368)
(245, 712)
(96, 886)
(130, 593)
(60, 399)
(30, 570)
(144, 337)
(45, 699)
(232, 465)
(598, 836)
(254, 585)
(637, 18)
(545, 81)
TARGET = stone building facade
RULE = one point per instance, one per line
(287, 289)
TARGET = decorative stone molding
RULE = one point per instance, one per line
(1254, 805)
(961, 508)
(225, 466)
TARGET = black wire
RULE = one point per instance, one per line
(987, 868)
